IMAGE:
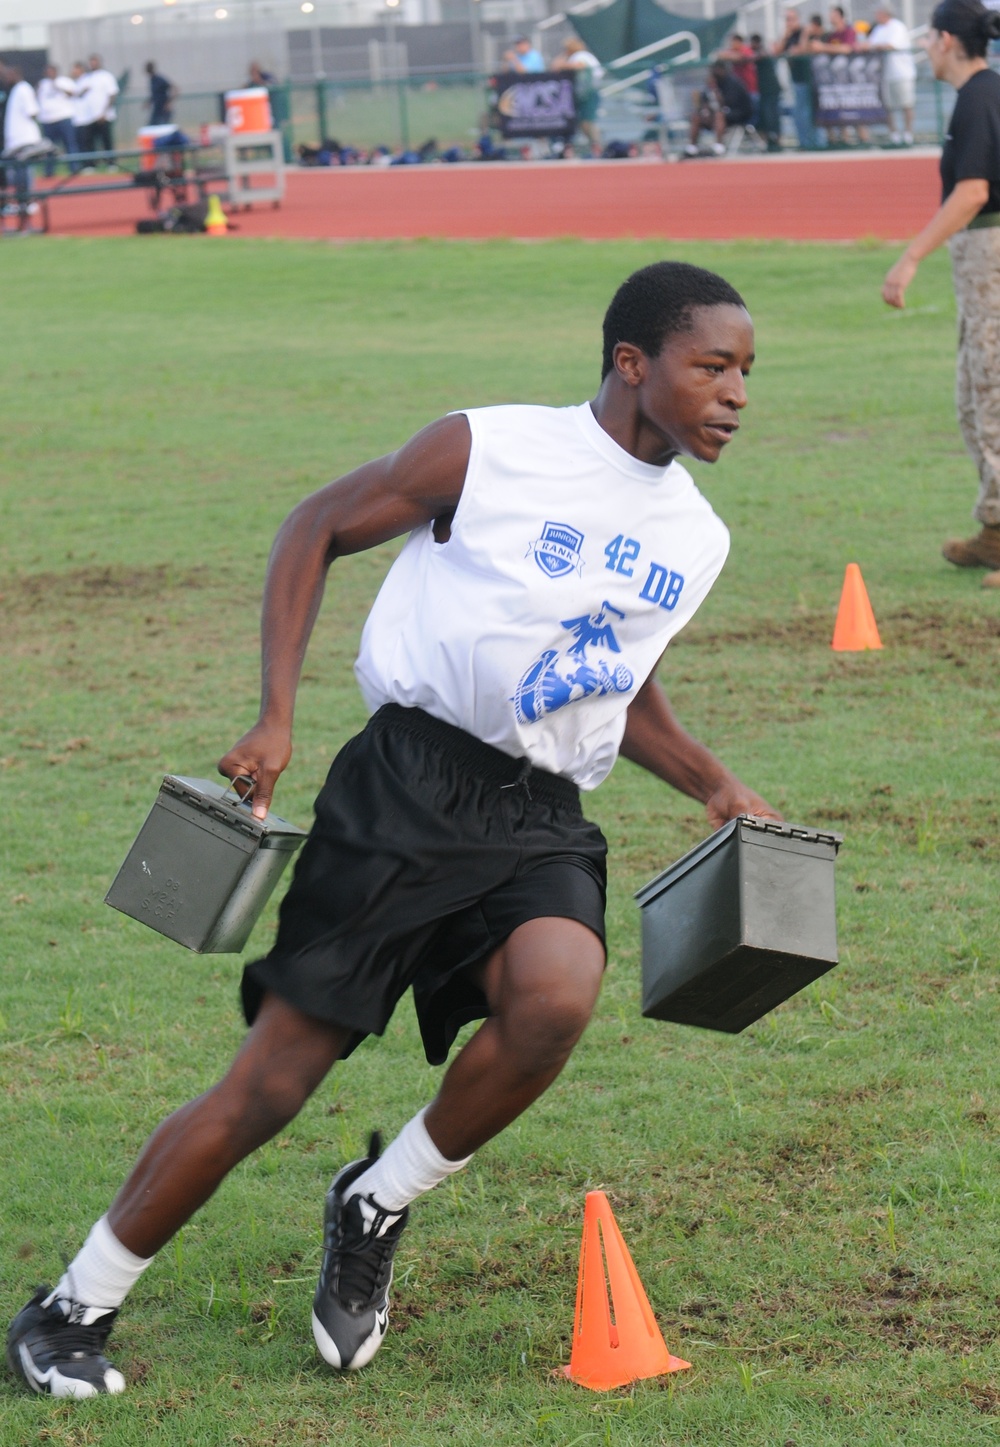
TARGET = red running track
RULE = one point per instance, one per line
(835, 198)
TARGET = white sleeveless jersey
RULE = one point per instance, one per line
(569, 568)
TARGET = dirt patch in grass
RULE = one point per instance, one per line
(984, 1398)
(858, 1094)
(947, 636)
(911, 1312)
(31, 591)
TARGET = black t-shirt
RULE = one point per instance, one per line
(735, 97)
(159, 93)
(971, 149)
(800, 66)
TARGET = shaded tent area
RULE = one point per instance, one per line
(628, 25)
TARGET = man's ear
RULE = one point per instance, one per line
(630, 363)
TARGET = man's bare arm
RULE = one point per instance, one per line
(379, 500)
(655, 739)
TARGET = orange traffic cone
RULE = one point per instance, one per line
(215, 217)
(855, 629)
(615, 1336)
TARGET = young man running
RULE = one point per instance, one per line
(508, 659)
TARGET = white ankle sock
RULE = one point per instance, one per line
(103, 1272)
(411, 1165)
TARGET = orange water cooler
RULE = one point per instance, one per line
(248, 110)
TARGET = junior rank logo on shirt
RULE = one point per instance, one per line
(559, 677)
(557, 551)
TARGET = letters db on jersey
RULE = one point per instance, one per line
(557, 551)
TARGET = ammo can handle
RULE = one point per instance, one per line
(243, 779)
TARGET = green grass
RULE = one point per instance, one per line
(812, 1206)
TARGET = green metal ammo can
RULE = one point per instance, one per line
(740, 923)
(202, 867)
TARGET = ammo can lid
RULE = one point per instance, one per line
(715, 841)
(218, 801)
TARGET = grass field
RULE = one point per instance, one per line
(812, 1206)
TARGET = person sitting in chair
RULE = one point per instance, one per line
(725, 102)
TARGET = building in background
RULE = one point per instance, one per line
(208, 44)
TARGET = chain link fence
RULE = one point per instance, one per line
(452, 110)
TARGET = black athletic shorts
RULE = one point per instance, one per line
(428, 849)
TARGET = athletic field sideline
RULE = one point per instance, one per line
(843, 196)
(812, 1206)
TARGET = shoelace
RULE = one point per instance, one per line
(75, 1339)
(366, 1258)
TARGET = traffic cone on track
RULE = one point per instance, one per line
(615, 1336)
(855, 629)
(215, 218)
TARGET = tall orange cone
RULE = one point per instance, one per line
(855, 628)
(615, 1336)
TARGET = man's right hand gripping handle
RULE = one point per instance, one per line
(262, 754)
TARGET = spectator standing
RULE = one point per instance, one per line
(161, 96)
(768, 121)
(899, 72)
(56, 95)
(524, 58)
(969, 220)
(814, 36)
(587, 74)
(97, 89)
(20, 121)
(841, 38)
(792, 46)
(815, 41)
(21, 134)
(76, 73)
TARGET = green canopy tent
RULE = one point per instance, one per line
(627, 25)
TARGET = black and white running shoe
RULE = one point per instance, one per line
(57, 1347)
(351, 1305)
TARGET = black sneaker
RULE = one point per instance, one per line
(351, 1305)
(58, 1347)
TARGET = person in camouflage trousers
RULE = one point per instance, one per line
(975, 260)
(969, 220)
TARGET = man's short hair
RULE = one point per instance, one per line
(656, 303)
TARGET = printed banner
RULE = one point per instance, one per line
(848, 90)
(535, 105)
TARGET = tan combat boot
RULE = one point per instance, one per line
(982, 551)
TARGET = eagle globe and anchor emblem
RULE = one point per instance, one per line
(586, 667)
